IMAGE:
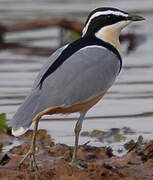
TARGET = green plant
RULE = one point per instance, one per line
(3, 123)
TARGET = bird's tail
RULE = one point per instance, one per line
(22, 119)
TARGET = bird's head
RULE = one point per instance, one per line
(107, 19)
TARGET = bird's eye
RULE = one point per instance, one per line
(108, 16)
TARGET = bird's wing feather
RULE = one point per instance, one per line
(85, 74)
(45, 67)
(22, 119)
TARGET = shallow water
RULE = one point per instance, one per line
(129, 101)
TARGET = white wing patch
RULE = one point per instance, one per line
(20, 131)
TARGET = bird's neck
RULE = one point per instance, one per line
(110, 36)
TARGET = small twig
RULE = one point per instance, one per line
(43, 23)
(86, 143)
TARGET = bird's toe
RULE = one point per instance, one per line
(76, 165)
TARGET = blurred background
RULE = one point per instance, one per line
(30, 30)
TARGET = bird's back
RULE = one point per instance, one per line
(87, 73)
(79, 79)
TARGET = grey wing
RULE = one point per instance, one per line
(82, 76)
(51, 59)
(85, 74)
(30, 107)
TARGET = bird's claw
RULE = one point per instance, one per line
(32, 161)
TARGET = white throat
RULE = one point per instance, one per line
(111, 34)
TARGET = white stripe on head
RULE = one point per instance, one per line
(108, 12)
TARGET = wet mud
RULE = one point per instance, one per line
(98, 163)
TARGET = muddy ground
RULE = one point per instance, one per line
(53, 161)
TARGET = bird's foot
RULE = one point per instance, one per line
(32, 161)
(75, 164)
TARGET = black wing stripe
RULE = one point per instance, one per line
(74, 47)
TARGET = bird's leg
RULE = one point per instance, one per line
(31, 152)
(77, 130)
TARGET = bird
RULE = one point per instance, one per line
(76, 76)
